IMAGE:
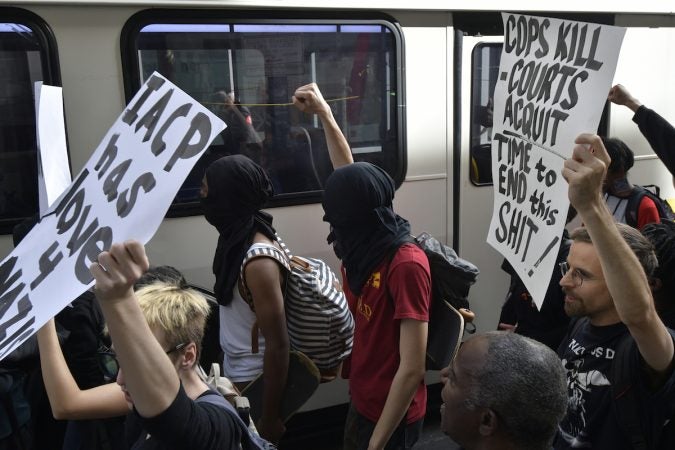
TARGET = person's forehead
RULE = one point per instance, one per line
(470, 358)
(584, 255)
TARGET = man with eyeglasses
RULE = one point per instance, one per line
(605, 281)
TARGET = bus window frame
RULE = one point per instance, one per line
(49, 60)
(131, 70)
(472, 113)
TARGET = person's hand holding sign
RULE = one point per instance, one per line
(118, 269)
(585, 172)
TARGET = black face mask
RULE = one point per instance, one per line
(331, 239)
(210, 210)
(364, 229)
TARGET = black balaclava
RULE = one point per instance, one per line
(237, 189)
(365, 229)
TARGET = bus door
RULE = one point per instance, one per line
(479, 56)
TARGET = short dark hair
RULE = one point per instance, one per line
(164, 274)
(622, 156)
(662, 237)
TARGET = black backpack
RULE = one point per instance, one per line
(653, 192)
(451, 279)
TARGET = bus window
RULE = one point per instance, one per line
(484, 71)
(27, 55)
(246, 70)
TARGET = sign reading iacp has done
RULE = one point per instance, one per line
(123, 192)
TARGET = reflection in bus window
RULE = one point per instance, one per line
(21, 58)
(246, 74)
(484, 72)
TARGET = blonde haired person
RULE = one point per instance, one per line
(157, 336)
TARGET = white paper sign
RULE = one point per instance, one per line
(123, 192)
(553, 82)
(53, 168)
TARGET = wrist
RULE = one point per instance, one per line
(592, 208)
(115, 300)
(633, 104)
(326, 114)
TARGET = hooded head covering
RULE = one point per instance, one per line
(364, 228)
(237, 189)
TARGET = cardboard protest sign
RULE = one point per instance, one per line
(553, 82)
(53, 168)
(123, 192)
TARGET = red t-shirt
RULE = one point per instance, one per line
(402, 291)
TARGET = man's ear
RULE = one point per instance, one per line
(488, 422)
(655, 284)
(189, 356)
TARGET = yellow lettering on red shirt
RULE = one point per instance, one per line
(363, 309)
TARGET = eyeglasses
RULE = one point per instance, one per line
(577, 277)
(110, 367)
(176, 348)
(107, 360)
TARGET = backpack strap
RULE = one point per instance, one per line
(634, 204)
(624, 395)
(260, 251)
(248, 440)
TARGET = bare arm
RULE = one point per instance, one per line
(150, 377)
(625, 278)
(263, 277)
(619, 95)
(412, 346)
(308, 99)
(65, 397)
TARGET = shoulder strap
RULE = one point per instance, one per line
(284, 247)
(266, 251)
(634, 204)
(261, 251)
(624, 396)
(248, 441)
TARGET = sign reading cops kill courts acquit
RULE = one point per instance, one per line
(553, 81)
(123, 192)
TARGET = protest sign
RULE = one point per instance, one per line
(122, 193)
(53, 168)
(553, 81)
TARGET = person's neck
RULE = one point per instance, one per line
(192, 383)
(605, 319)
(621, 188)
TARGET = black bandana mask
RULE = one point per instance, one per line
(237, 189)
(364, 228)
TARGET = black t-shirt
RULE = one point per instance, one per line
(587, 358)
(185, 424)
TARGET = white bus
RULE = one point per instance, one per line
(406, 80)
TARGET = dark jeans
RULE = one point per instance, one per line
(359, 429)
